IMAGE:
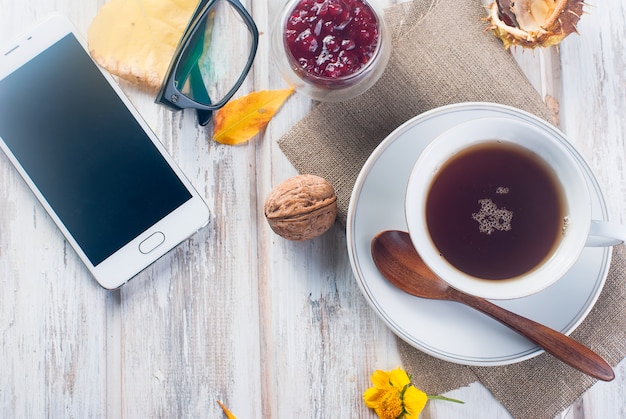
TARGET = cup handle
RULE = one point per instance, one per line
(604, 233)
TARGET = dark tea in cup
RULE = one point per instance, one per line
(495, 210)
(498, 207)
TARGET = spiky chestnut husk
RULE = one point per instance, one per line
(534, 23)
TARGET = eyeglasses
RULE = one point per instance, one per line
(205, 71)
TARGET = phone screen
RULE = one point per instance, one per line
(84, 150)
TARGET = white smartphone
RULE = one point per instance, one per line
(89, 157)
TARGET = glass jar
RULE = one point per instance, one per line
(331, 50)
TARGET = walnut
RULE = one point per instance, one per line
(301, 207)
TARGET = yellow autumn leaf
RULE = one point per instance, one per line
(242, 118)
(136, 39)
(227, 412)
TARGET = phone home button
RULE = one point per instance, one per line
(152, 242)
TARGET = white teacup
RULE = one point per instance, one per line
(502, 232)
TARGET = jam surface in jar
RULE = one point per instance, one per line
(331, 39)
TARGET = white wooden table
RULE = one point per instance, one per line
(273, 328)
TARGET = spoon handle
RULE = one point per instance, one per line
(568, 350)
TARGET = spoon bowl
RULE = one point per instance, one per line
(398, 261)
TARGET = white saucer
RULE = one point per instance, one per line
(447, 330)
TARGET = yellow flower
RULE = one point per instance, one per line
(393, 396)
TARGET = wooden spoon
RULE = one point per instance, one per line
(398, 261)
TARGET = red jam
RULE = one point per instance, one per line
(331, 39)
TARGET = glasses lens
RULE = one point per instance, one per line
(216, 58)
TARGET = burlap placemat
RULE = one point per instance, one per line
(441, 55)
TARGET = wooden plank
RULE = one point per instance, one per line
(272, 328)
(593, 105)
(52, 312)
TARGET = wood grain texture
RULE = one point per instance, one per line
(273, 328)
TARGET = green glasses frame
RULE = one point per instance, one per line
(185, 62)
